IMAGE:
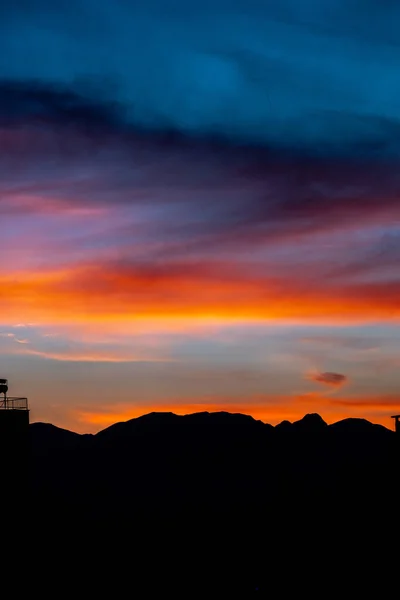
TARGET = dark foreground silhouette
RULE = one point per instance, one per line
(216, 503)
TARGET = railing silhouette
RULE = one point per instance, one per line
(13, 403)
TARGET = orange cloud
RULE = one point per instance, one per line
(115, 293)
(373, 403)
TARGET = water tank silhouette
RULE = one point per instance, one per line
(3, 386)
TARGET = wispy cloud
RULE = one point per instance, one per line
(14, 338)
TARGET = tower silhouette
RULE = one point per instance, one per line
(396, 423)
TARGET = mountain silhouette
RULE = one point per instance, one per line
(310, 423)
(236, 495)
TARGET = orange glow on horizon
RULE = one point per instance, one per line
(269, 410)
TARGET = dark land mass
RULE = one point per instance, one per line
(217, 502)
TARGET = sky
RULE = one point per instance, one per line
(200, 208)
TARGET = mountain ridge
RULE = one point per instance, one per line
(211, 489)
(313, 419)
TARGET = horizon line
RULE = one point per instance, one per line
(167, 412)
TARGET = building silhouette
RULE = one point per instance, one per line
(14, 446)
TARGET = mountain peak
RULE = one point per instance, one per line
(354, 425)
(310, 423)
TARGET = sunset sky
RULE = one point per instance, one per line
(200, 208)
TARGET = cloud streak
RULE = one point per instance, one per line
(196, 226)
(114, 291)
